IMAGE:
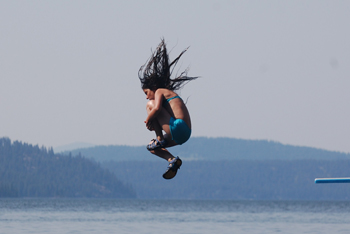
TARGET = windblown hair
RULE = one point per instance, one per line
(156, 73)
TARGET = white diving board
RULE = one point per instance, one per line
(331, 180)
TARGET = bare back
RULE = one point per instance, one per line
(175, 107)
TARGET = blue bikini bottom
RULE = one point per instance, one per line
(180, 131)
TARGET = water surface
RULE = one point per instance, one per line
(97, 216)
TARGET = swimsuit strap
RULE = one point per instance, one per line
(169, 99)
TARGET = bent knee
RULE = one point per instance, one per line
(150, 105)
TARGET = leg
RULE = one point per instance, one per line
(163, 153)
(159, 125)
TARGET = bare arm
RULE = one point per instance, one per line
(158, 100)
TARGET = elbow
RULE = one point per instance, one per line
(156, 110)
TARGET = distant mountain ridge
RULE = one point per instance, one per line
(72, 146)
(241, 169)
(236, 180)
(214, 149)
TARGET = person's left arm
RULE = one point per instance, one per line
(158, 100)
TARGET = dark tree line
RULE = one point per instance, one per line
(31, 171)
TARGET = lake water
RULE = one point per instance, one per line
(99, 216)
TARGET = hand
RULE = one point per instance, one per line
(149, 125)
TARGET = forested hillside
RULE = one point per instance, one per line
(227, 168)
(213, 149)
(237, 180)
(213, 168)
(31, 171)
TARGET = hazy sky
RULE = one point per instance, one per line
(272, 70)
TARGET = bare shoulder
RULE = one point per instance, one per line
(165, 92)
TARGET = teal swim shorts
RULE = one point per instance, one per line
(180, 131)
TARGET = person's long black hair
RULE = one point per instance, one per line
(156, 73)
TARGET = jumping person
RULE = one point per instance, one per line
(166, 110)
